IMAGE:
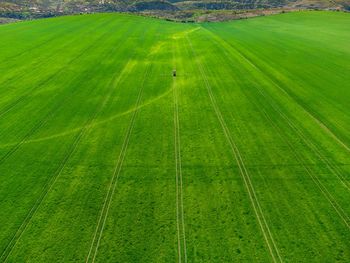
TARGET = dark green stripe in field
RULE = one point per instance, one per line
(244, 156)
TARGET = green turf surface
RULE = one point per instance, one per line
(244, 156)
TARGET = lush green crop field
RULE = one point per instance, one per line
(244, 156)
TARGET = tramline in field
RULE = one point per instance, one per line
(132, 139)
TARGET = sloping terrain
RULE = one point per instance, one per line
(173, 10)
(244, 156)
(142, 5)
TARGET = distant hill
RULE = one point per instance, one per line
(23, 8)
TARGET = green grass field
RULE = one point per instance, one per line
(244, 156)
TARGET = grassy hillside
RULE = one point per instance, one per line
(243, 156)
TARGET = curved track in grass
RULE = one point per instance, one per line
(92, 171)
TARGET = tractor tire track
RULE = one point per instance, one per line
(49, 185)
(95, 243)
(178, 173)
(47, 117)
(321, 124)
(317, 181)
(314, 178)
(9, 107)
(9, 248)
(329, 197)
(32, 131)
(307, 141)
(304, 138)
(97, 236)
(109, 119)
(43, 43)
(52, 56)
(272, 247)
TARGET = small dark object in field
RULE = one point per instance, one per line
(174, 73)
